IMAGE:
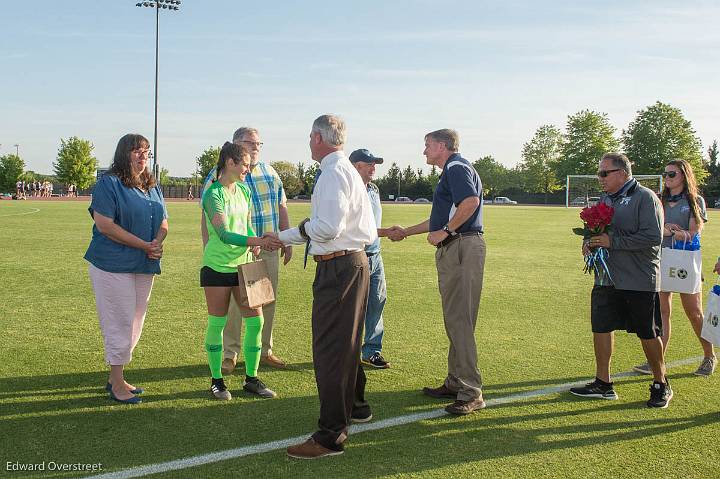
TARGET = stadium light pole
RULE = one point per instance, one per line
(171, 5)
(17, 150)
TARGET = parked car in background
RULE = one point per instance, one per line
(421, 200)
(583, 201)
(403, 199)
(503, 200)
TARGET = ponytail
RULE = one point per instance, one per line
(229, 151)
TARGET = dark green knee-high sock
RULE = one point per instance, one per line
(252, 344)
(214, 343)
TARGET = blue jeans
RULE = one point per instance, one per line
(377, 295)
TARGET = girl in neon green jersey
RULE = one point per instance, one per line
(231, 242)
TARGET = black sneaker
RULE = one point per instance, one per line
(660, 394)
(219, 390)
(376, 361)
(595, 389)
(255, 386)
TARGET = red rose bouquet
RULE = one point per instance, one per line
(596, 220)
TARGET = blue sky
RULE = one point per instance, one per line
(495, 71)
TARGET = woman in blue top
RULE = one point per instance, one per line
(124, 255)
(685, 216)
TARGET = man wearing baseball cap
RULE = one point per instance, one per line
(364, 162)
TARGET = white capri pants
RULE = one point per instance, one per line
(122, 301)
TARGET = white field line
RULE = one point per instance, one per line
(34, 210)
(373, 426)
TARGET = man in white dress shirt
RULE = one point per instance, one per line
(341, 224)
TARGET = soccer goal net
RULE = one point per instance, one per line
(584, 190)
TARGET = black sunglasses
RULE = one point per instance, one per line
(671, 174)
(604, 173)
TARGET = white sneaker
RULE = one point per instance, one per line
(707, 367)
(219, 390)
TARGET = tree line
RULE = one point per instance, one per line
(658, 133)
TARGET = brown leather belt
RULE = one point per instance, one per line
(450, 239)
(329, 256)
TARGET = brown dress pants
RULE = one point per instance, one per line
(340, 294)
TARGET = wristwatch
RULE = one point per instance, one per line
(447, 229)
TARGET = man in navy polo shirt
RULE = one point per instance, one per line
(455, 228)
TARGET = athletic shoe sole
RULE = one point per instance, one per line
(368, 363)
(360, 420)
(333, 453)
(264, 393)
(595, 396)
(221, 395)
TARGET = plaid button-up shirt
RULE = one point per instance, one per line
(267, 196)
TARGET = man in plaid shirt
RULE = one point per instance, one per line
(269, 214)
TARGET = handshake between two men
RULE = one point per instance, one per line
(271, 242)
(398, 233)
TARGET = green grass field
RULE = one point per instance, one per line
(533, 332)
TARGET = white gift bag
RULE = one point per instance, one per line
(711, 324)
(680, 271)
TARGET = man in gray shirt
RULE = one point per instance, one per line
(628, 298)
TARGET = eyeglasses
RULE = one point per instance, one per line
(604, 173)
(257, 144)
(671, 174)
(141, 151)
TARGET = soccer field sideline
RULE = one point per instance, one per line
(355, 429)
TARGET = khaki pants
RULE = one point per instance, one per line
(460, 267)
(232, 343)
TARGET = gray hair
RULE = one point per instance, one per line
(331, 129)
(241, 132)
(619, 160)
(446, 136)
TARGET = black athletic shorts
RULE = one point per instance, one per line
(633, 311)
(210, 277)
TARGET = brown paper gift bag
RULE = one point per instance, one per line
(255, 287)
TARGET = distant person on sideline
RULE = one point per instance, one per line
(685, 216)
(124, 255)
(455, 228)
(628, 299)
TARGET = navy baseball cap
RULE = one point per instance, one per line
(365, 156)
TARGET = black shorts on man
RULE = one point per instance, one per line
(633, 311)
